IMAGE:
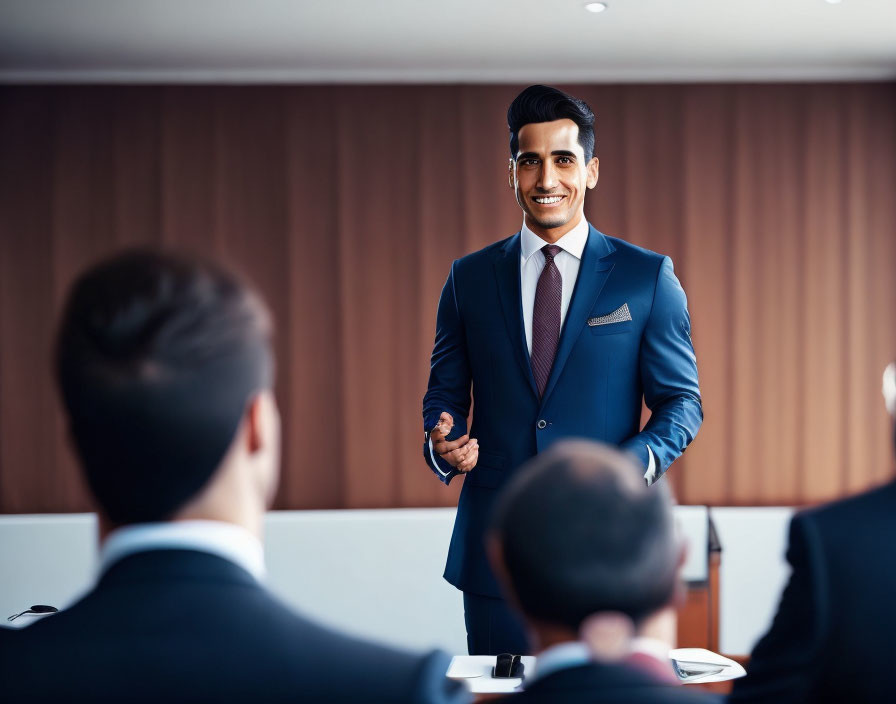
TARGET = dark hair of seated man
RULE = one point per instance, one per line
(579, 532)
(157, 359)
(590, 557)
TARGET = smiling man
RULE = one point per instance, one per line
(560, 331)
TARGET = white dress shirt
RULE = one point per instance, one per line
(532, 260)
(576, 653)
(226, 540)
(651, 646)
(559, 657)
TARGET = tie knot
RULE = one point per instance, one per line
(550, 251)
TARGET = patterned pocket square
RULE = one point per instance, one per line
(620, 315)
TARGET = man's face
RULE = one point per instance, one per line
(550, 177)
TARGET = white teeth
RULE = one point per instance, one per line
(552, 199)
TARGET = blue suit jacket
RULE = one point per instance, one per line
(599, 377)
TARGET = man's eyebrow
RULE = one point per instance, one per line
(556, 152)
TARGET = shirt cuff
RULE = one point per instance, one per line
(649, 475)
(435, 460)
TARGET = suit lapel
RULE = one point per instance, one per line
(507, 272)
(593, 273)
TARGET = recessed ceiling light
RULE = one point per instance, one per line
(833, 2)
(596, 6)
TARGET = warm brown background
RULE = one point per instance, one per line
(347, 204)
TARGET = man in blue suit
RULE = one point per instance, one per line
(561, 331)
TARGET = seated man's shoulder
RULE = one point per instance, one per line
(683, 694)
(880, 500)
(346, 664)
(272, 642)
(848, 528)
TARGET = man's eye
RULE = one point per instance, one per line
(530, 162)
(564, 160)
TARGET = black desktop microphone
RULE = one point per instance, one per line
(508, 666)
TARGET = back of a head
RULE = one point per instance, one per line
(545, 104)
(157, 356)
(580, 532)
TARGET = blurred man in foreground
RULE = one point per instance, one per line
(580, 542)
(166, 372)
(832, 638)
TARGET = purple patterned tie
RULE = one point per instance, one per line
(546, 318)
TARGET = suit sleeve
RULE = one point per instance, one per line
(784, 664)
(449, 378)
(668, 368)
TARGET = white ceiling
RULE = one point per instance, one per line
(333, 41)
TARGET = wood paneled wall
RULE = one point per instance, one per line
(346, 206)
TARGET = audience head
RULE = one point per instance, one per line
(165, 369)
(578, 532)
(545, 104)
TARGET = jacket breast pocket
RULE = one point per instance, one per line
(488, 472)
(611, 328)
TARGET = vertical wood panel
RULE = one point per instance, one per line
(859, 317)
(606, 205)
(377, 185)
(825, 271)
(783, 305)
(707, 169)
(188, 157)
(28, 475)
(313, 427)
(748, 273)
(136, 170)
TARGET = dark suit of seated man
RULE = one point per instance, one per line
(587, 552)
(832, 638)
(166, 373)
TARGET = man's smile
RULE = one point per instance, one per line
(547, 200)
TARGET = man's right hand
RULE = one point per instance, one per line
(462, 453)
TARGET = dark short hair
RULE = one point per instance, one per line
(156, 358)
(545, 104)
(581, 532)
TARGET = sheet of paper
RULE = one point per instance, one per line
(731, 669)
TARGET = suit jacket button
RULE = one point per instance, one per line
(542, 424)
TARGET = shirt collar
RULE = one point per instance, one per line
(559, 657)
(651, 646)
(226, 540)
(572, 242)
(654, 657)
(575, 653)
